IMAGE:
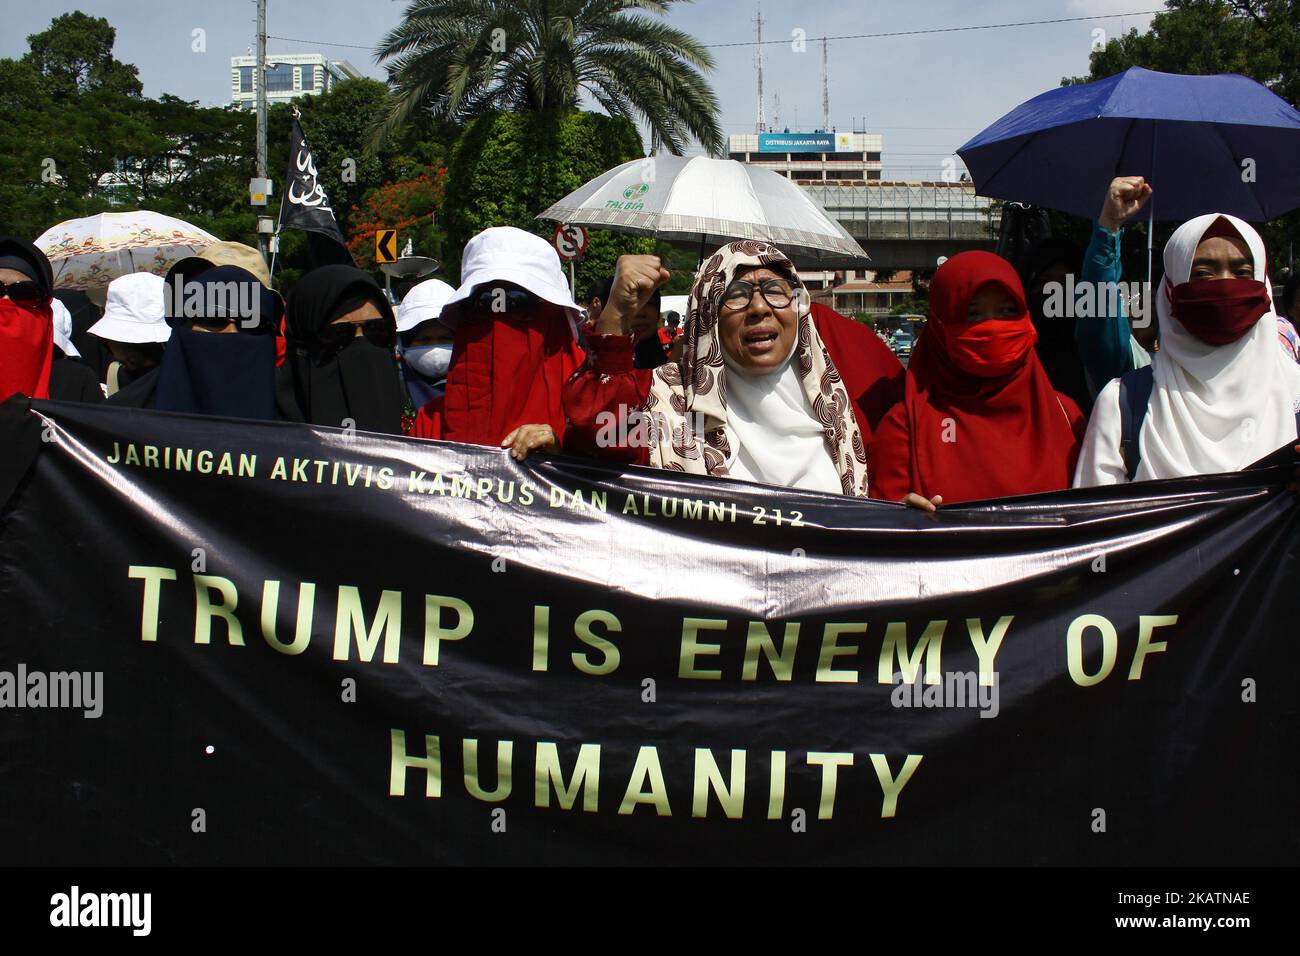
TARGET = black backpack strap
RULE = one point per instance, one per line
(1134, 398)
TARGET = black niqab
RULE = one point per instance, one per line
(227, 374)
(323, 386)
(212, 373)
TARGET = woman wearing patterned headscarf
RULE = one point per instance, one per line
(769, 389)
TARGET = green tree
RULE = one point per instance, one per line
(508, 167)
(72, 116)
(75, 56)
(199, 167)
(461, 58)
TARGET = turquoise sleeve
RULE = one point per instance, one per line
(1101, 328)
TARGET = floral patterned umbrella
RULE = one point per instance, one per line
(90, 253)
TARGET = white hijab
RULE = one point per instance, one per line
(778, 439)
(63, 328)
(1215, 408)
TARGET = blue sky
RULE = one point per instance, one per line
(925, 94)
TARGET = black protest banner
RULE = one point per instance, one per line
(276, 643)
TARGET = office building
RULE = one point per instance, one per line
(288, 75)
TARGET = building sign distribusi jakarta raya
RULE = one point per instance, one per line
(796, 142)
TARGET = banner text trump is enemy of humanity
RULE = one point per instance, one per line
(323, 647)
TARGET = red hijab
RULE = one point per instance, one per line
(979, 418)
(505, 372)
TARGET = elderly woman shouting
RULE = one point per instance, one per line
(770, 388)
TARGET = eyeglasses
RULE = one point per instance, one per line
(776, 292)
(25, 294)
(505, 300)
(336, 336)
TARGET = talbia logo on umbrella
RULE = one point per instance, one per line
(632, 196)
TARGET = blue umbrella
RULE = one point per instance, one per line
(1205, 143)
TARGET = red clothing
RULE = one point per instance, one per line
(504, 373)
(872, 376)
(26, 350)
(428, 421)
(667, 337)
(606, 385)
(970, 435)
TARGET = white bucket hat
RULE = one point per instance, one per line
(63, 329)
(507, 254)
(422, 303)
(133, 311)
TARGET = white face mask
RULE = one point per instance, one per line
(431, 361)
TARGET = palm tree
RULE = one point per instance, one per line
(460, 58)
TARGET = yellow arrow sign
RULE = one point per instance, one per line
(386, 245)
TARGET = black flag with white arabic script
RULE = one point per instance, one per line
(307, 207)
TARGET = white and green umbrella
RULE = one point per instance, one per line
(710, 202)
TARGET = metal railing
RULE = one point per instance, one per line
(909, 210)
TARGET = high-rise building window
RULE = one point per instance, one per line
(245, 79)
(279, 78)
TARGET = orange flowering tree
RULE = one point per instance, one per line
(410, 206)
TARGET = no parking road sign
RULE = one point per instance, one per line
(570, 242)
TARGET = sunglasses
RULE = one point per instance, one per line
(212, 321)
(505, 300)
(25, 294)
(776, 292)
(336, 336)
